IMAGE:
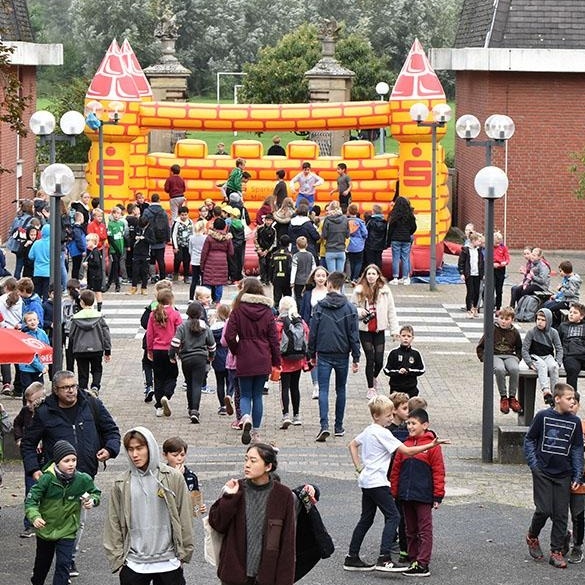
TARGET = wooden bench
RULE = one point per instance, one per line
(527, 392)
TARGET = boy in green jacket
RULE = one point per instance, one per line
(53, 505)
(116, 229)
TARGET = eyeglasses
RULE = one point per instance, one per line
(68, 388)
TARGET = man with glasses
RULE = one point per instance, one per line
(75, 416)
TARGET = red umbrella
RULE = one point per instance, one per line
(17, 347)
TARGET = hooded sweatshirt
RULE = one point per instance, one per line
(189, 345)
(506, 342)
(149, 516)
(335, 232)
(569, 289)
(89, 332)
(40, 253)
(542, 342)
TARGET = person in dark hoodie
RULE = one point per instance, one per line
(333, 336)
(148, 533)
(542, 351)
(301, 225)
(335, 232)
(90, 341)
(572, 334)
(401, 228)
(377, 238)
(251, 336)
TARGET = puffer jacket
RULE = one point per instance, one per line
(214, 257)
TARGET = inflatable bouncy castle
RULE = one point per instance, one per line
(129, 167)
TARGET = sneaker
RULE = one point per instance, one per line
(194, 416)
(236, 425)
(255, 437)
(567, 543)
(165, 406)
(158, 412)
(403, 557)
(504, 405)
(322, 436)
(356, 564)
(73, 572)
(246, 428)
(286, 422)
(417, 570)
(406, 282)
(297, 421)
(30, 532)
(265, 389)
(222, 411)
(148, 394)
(534, 547)
(376, 384)
(394, 282)
(515, 405)
(548, 398)
(229, 405)
(95, 391)
(386, 565)
(6, 390)
(340, 433)
(371, 393)
(576, 555)
(557, 560)
(315, 395)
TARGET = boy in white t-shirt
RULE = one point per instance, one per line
(376, 444)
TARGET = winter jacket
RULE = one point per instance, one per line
(99, 228)
(377, 238)
(277, 565)
(401, 231)
(464, 262)
(419, 478)
(291, 363)
(89, 332)
(36, 366)
(335, 231)
(171, 488)
(181, 233)
(262, 211)
(265, 238)
(151, 214)
(20, 221)
(384, 306)
(234, 182)
(542, 342)
(358, 232)
(78, 243)
(506, 342)
(238, 233)
(569, 289)
(214, 257)
(501, 256)
(40, 253)
(93, 429)
(280, 265)
(187, 344)
(404, 357)
(58, 504)
(301, 225)
(219, 360)
(251, 336)
(282, 219)
(554, 445)
(334, 328)
(33, 303)
(540, 274)
(159, 337)
(573, 338)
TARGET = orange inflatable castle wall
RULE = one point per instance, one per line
(128, 167)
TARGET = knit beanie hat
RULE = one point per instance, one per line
(219, 224)
(62, 449)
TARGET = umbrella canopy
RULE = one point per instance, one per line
(17, 347)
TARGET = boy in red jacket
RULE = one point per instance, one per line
(419, 483)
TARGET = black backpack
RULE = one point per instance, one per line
(293, 342)
(160, 224)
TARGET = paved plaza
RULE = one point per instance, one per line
(479, 528)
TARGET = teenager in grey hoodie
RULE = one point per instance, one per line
(542, 351)
(148, 533)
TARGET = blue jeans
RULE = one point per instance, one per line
(335, 261)
(372, 499)
(216, 291)
(340, 364)
(309, 199)
(18, 267)
(251, 388)
(401, 252)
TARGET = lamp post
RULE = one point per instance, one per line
(42, 124)
(57, 180)
(382, 89)
(441, 115)
(94, 111)
(491, 183)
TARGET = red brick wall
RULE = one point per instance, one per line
(547, 109)
(13, 148)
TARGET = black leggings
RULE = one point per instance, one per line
(373, 345)
(165, 376)
(289, 382)
(220, 384)
(194, 373)
(472, 286)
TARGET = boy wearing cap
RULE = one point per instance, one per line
(53, 505)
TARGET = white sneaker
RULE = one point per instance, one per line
(158, 411)
(315, 395)
(394, 282)
(371, 393)
(406, 281)
(286, 422)
(166, 407)
(376, 384)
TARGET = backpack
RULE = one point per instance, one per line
(526, 308)
(160, 228)
(293, 342)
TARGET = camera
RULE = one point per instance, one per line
(368, 317)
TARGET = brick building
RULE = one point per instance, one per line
(525, 59)
(18, 153)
